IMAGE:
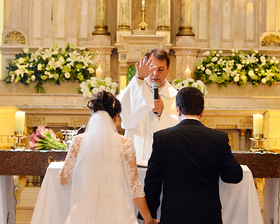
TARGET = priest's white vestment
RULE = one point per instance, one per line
(139, 121)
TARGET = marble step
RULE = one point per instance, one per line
(26, 200)
(24, 216)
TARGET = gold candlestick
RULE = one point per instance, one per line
(18, 136)
(258, 147)
(143, 25)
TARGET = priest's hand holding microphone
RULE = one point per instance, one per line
(158, 103)
(153, 72)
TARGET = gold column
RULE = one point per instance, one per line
(101, 27)
(123, 15)
(163, 15)
(186, 10)
(242, 140)
(252, 143)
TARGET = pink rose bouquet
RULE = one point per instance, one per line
(45, 139)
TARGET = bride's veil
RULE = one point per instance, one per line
(100, 189)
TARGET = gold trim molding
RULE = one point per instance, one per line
(271, 38)
(163, 28)
(242, 132)
(35, 121)
(101, 30)
(77, 122)
(226, 126)
(14, 36)
(208, 123)
(229, 139)
(185, 31)
(123, 27)
(246, 123)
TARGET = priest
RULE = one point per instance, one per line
(143, 113)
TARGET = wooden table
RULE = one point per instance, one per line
(262, 165)
(31, 163)
(35, 163)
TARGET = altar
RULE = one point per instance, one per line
(263, 165)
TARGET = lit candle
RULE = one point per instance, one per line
(98, 72)
(188, 73)
(257, 124)
(19, 121)
(143, 3)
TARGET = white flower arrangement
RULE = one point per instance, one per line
(238, 68)
(179, 84)
(89, 87)
(53, 65)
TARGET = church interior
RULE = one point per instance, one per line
(118, 33)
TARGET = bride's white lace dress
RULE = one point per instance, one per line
(103, 203)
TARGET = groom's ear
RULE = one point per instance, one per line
(179, 112)
(200, 116)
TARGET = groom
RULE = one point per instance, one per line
(188, 160)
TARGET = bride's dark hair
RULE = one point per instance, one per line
(105, 101)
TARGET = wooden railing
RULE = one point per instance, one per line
(35, 163)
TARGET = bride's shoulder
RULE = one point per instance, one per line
(124, 140)
(79, 138)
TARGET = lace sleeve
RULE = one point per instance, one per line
(136, 187)
(66, 172)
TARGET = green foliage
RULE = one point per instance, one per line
(54, 65)
(238, 68)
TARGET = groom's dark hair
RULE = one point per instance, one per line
(190, 101)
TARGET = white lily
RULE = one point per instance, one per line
(86, 59)
(61, 60)
(21, 70)
(227, 69)
(53, 64)
(73, 57)
(48, 53)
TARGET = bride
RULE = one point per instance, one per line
(102, 167)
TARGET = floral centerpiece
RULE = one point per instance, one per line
(45, 139)
(179, 84)
(53, 65)
(93, 85)
(238, 68)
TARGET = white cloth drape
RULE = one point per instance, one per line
(239, 201)
(7, 200)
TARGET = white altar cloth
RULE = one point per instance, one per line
(7, 200)
(239, 201)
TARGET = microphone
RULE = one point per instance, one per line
(155, 86)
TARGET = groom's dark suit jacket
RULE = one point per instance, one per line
(187, 161)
